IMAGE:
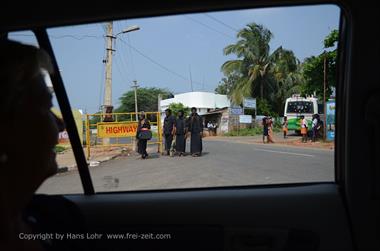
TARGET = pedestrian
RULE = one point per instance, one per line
(265, 129)
(270, 130)
(168, 132)
(215, 128)
(143, 135)
(196, 131)
(285, 127)
(210, 127)
(314, 127)
(303, 129)
(181, 131)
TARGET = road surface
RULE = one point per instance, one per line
(224, 163)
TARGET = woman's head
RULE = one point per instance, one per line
(142, 116)
(29, 130)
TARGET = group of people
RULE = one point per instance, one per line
(316, 128)
(211, 127)
(176, 130)
(175, 133)
(314, 133)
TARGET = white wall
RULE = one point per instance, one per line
(202, 100)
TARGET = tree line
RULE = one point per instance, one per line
(273, 76)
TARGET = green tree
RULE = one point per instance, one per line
(176, 107)
(147, 100)
(263, 107)
(226, 84)
(260, 73)
(313, 68)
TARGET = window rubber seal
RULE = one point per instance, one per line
(64, 104)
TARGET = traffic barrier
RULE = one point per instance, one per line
(119, 129)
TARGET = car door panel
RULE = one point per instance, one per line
(284, 217)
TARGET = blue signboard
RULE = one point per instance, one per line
(330, 119)
(236, 110)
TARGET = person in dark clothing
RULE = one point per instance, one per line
(144, 124)
(168, 132)
(196, 130)
(265, 129)
(181, 131)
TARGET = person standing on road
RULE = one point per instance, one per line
(215, 128)
(270, 130)
(315, 127)
(304, 129)
(196, 130)
(210, 128)
(265, 129)
(181, 131)
(142, 135)
(285, 127)
(169, 126)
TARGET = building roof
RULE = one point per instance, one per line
(198, 100)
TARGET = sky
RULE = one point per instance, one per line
(168, 51)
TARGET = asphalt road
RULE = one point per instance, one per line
(224, 163)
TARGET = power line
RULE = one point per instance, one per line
(154, 61)
(131, 54)
(77, 37)
(209, 27)
(221, 22)
(124, 77)
(159, 64)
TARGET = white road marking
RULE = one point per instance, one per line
(290, 153)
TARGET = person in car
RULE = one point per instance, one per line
(143, 128)
(26, 160)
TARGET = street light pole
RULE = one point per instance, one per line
(107, 105)
(108, 85)
(136, 109)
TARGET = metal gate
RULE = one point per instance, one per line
(119, 129)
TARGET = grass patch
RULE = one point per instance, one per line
(246, 132)
(251, 131)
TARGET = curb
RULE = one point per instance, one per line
(65, 169)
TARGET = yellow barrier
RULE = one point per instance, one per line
(123, 126)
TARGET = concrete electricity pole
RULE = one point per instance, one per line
(136, 109)
(108, 85)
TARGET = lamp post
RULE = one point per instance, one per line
(107, 105)
(108, 85)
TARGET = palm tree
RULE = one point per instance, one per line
(259, 71)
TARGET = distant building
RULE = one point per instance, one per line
(203, 101)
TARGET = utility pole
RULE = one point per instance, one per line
(107, 104)
(191, 79)
(108, 85)
(324, 94)
(136, 109)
